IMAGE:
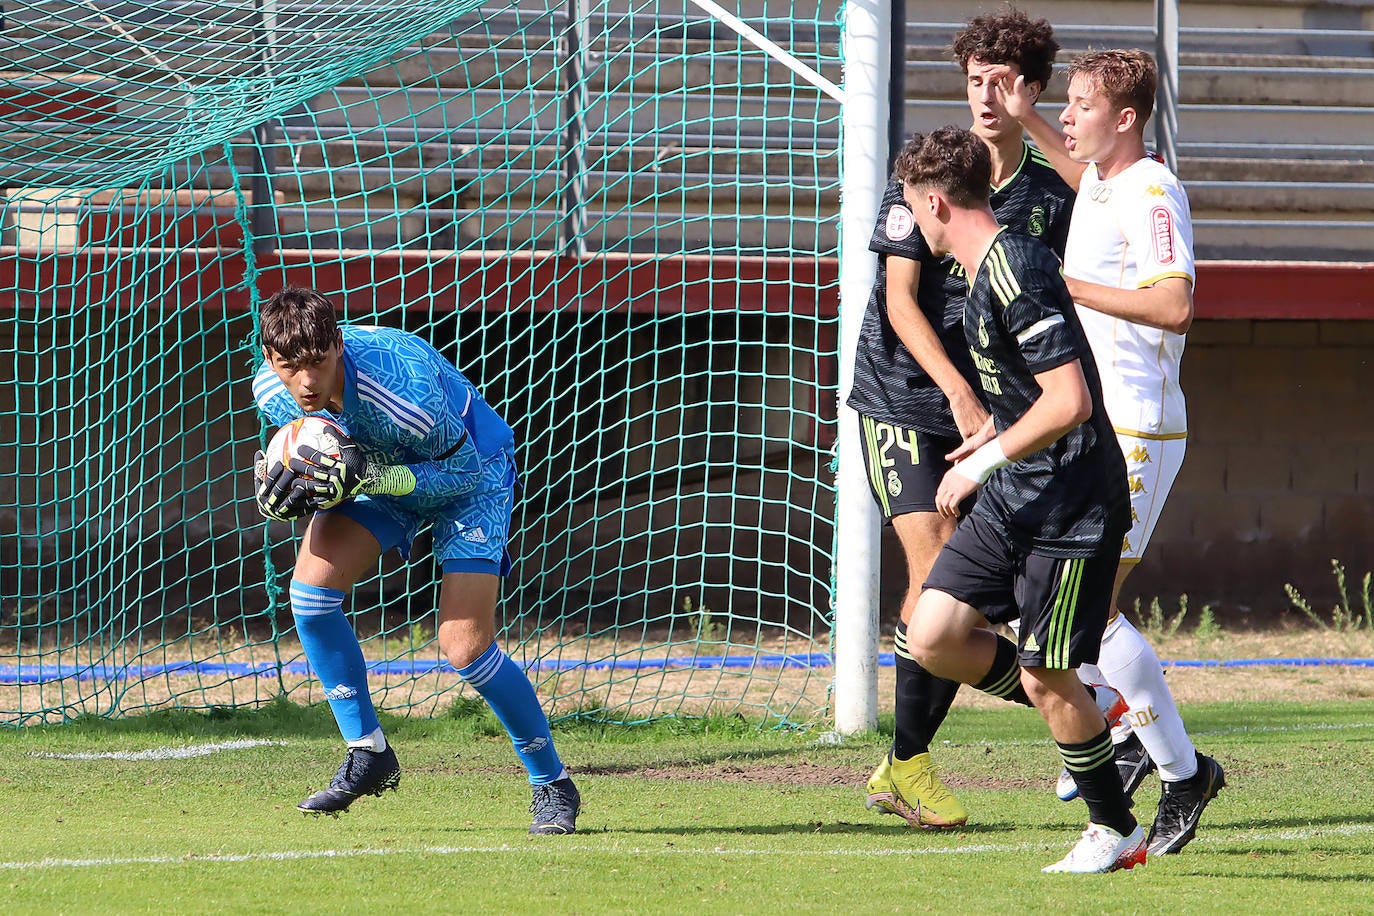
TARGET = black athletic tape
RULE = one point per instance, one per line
(453, 451)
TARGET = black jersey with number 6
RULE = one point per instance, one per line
(1069, 499)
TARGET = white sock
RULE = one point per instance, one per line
(1130, 665)
(375, 742)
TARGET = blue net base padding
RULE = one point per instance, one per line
(38, 674)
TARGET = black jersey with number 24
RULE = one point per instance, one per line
(1069, 499)
(889, 384)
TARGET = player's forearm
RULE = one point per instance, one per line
(1051, 142)
(457, 475)
(919, 337)
(1167, 305)
(925, 347)
(1064, 403)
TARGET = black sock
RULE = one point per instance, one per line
(1094, 770)
(1004, 677)
(921, 702)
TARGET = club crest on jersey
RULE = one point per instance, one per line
(1035, 226)
(982, 333)
(894, 484)
(1162, 234)
(900, 223)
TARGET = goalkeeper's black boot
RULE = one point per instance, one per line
(555, 807)
(363, 772)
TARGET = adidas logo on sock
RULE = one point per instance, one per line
(341, 692)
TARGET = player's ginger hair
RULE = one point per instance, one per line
(295, 322)
(1127, 78)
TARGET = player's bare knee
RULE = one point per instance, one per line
(463, 640)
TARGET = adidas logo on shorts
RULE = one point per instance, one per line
(475, 535)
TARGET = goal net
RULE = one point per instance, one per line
(617, 218)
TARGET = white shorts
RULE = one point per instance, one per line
(1152, 463)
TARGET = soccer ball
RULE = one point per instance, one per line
(317, 432)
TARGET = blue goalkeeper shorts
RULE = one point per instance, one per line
(470, 534)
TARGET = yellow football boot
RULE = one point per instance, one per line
(920, 797)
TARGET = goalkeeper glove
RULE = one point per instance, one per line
(279, 494)
(330, 480)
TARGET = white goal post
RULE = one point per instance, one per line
(864, 100)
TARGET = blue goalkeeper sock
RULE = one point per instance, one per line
(509, 694)
(333, 651)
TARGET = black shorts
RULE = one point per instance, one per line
(905, 466)
(1062, 602)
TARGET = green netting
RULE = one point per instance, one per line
(618, 219)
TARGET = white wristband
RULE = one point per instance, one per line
(979, 466)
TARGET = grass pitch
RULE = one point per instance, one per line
(179, 812)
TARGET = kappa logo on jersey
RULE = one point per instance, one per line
(1140, 455)
(1101, 194)
(1035, 225)
(1154, 190)
(474, 535)
(894, 484)
(1135, 484)
(1162, 234)
(341, 692)
(900, 223)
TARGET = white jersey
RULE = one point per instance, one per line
(1130, 232)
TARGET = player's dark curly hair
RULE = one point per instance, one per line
(295, 322)
(950, 160)
(1126, 78)
(1009, 37)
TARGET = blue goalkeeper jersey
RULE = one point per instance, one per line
(404, 404)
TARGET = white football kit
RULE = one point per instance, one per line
(1130, 232)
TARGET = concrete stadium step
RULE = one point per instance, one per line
(1259, 197)
(65, 220)
(615, 230)
(1224, 80)
(778, 122)
(1313, 125)
(1221, 236)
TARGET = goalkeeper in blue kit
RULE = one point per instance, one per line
(423, 450)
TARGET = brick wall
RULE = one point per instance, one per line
(1279, 475)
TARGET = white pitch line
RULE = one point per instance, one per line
(1219, 838)
(161, 753)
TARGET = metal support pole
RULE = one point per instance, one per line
(1166, 96)
(896, 85)
(263, 218)
(572, 75)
